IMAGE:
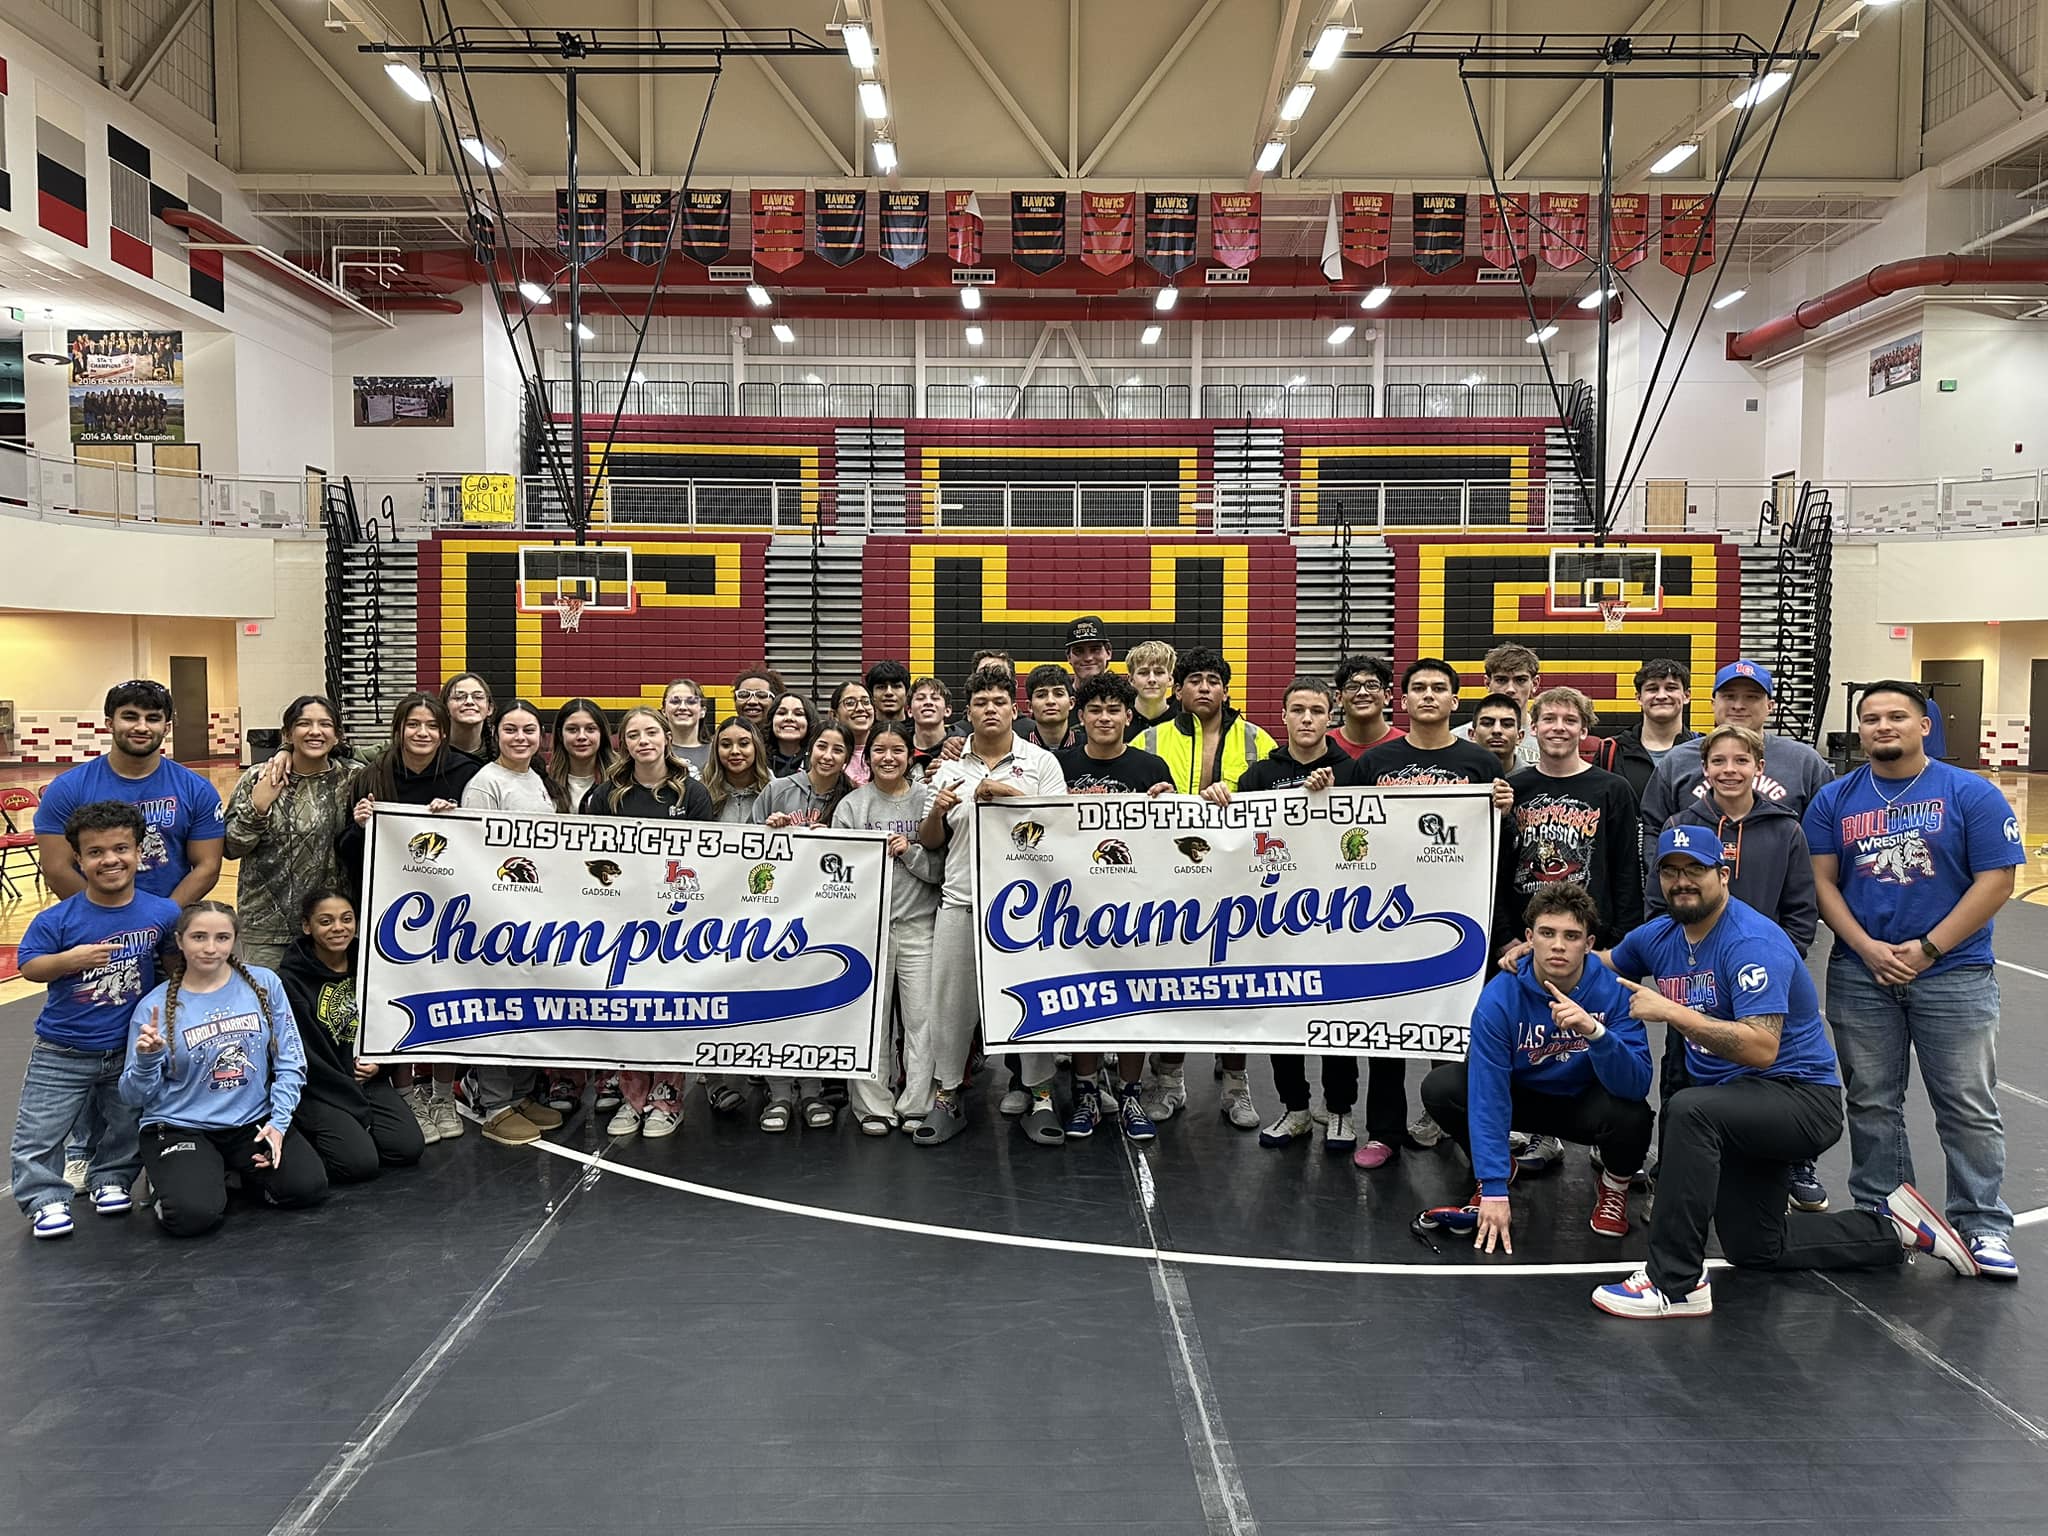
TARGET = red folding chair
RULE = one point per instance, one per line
(16, 843)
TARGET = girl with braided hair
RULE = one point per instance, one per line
(216, 1068)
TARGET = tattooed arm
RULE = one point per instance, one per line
(1751, 1041)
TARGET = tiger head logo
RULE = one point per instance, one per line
(1110, 851)
(518, 871)
(1194, 849)
(1027, 835)
(761, 879)
(603, 871)
(427, 845)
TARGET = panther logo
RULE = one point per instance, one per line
(761, 879)
(1354, 846)
(1027, 835)
(1110, 851)
(1194, 849)
(834, 869)
(427, 845)
(603, 871)
(517, 871)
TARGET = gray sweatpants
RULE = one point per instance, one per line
(957, 1005)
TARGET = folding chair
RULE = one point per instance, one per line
(16, 843)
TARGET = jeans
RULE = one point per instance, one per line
(1950, 1021)
(59, 1084)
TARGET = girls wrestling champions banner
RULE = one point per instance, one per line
(1354, 920)
(585, 939)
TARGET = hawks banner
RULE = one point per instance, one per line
(584, 227)
(646, 216)
(1504, 230)
(906, 227)
(1368, 227)
(1170, 231)
(1628, 234)
(1349, 921)
(1439, 234)
(1561, 235)
(705, 232)
(495, 938)
(963, 228)
(1234, 227)
(1038, 230)
(778, 229)
(842, 225)
(1109, 223)
(1688, 230)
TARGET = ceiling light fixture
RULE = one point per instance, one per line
(1149, 337)
(583, 331)
(1270, 155)
(1328, 46)
(1341, 334)
(885, 155)
(1537, 338)
(1730, 298)
(759, 295)
(783, 333)
(1376, 298)
(860, 47)
(1673, 158)
(1296, 102)
(533, 293)
(975, 336)
(970, 297)
(1168, 297)
(482, 153)
(873, 101)
(1762, 90)
(408, 80)
(1297, 381)
(1597, 297)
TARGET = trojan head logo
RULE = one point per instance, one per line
(1111, 852)
(1193, 849)
(1027, 835)
(833, 867)
(1433, 827)
(1354, 846)
(517, 871)
(761, 879)
(603, 871)
(427, 845)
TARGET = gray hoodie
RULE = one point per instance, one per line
(914, 887)
(1791, 775)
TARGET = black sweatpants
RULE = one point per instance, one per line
(1728, 1149)
(188, 1172)
(1593, 1117)
(1386, 1099)
(1340, 1082)
(352, 1151)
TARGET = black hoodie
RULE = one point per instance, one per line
(1769, 865)
(324, 1004)
(445, 779)
(1281, 769)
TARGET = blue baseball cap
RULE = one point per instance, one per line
(1700, 844)
(1755, 671)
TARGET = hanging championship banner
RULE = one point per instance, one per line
(1628, 229)
(1439, 234)
(495, 938)
(842, 225)
(963, 228)
(1347, 921)
(483, 236)
(704, 228)
(1688, 234)
(1109, 224)
(1504, 229)
(585, 227)
(906, 227)
(1169, 231)
(1234, 227)
(1038, 230)
(1561, 237)
(778, 229)
(1368, 227)
(646, 216)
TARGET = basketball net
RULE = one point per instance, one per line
(570, 610)
(1613, 611)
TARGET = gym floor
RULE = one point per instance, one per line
(729, 1332)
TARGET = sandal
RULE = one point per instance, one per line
(819, 1114)
(876, 1125)
(775, 1115)
(725, 1098)
(948, 1118)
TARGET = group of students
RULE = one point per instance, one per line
(1622, 857)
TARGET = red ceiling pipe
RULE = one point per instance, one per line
(1194, 305)
(1893, 277)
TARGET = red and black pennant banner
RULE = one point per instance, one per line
(646, 217)
(963, 228)
(842, 225)
(1234, 227)
(1038, 230)
(1439, 237)
(1170, 231)
(1109, 224)
(1628, 238)
(704, 230)
(1367, 227)
(1504, 229)
(778, 228)
(1688, 227)
(1561, 238)
(579, 236)
(906, 227)
(483, 236)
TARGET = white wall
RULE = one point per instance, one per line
(288, 656)
(74, 567)
(469, 348)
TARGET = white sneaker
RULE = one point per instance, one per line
(419, 1099)
(1238, 1107)
(1922, 1227)
(51, 1220)
(1425, 1132)
(446, 1120)
(625, 1121)
(1340, 1136)
(76, 1171)
(1288, 1127)
(1636, 1297)
(664, 1113)
(1166, 1095)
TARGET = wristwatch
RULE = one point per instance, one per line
(1927, 948)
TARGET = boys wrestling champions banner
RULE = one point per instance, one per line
(1345, 921)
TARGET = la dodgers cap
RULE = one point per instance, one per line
(1755, 671)
(1086, 630)
(1700, 844)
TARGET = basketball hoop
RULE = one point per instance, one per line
(570, 610)
(1613, 611)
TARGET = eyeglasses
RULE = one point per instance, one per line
(1371, 687)
(465, 697)
(753, 695)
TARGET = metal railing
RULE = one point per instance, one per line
(177, 499)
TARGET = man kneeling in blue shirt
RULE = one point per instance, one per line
(1554, 1052)
(1766, 1094)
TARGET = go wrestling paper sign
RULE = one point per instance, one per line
(1347, 921)
(584, 939)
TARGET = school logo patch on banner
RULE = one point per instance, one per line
(1108, 230)
(1234, 227)
(842, 225)
(1562, 221)
(1629, 229)
(963, 228)
(705, 227)
(1038, 230)
(1687, 226)
(1439, 234)
(579, 235)
(1504, 230)
(778, 229)
(1169, 232)
(1368, 227)
(906, 227)
(646, 215)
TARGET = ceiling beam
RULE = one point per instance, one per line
(1760, 132)
(1144, 92)
(1073, 82)
(774, 77)
(166, 35)
(1571, 103)
(1993, 62)
(1284, 53)
(1302, 161)
(644, 18)
(995, 84)
(346, 91)
(589, 119)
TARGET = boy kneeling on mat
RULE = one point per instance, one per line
(1553, 1052)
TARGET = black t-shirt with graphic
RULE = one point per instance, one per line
(1402, 762)
(1131, 772)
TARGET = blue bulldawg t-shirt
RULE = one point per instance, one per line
(89, 1010)
(178, 805)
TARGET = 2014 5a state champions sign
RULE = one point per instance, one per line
(1345, 921)
(583, 939)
